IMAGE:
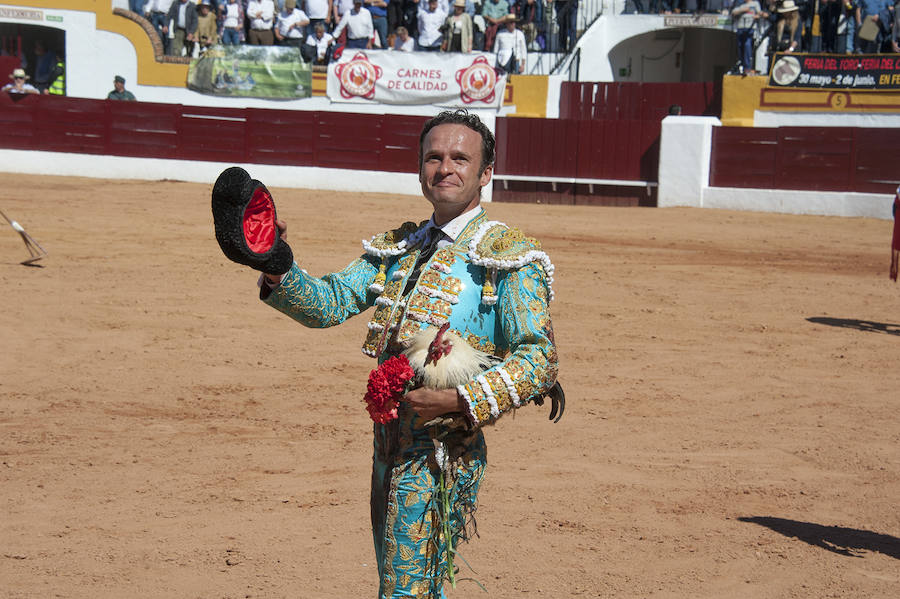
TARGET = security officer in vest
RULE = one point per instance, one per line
(58, 87)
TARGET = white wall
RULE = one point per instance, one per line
(685, 148)
(684, 158)
(831, 203)
(650, 51)
(821, 119)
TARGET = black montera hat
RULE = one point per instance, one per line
(244, 215)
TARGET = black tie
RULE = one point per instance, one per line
(429, 246)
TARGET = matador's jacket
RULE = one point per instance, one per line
(493, 286)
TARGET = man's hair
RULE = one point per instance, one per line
(462, 117)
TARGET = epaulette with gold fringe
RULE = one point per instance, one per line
(386, 245)
(498, 247)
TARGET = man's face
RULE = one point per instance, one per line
(450, 172)
(119, 86)
(432, 5)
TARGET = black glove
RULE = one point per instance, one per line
(244, 215)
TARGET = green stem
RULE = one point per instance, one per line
(445, 502)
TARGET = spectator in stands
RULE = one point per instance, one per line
(119, 92)
(233, 24)
(511, 49)
(567, 19)
(479, 26)
(430, 21)
(58, 85)
(319, 11)
(526, 15)
(378, 10)
(745, 16)
(207, 29)
(339, 7)
(319, 46)
(358, 23)
(675, 110)
(183, 16)
(262, 16)
(457, 29)
(788, 15)
(20, 83)
(218, 10)
(158, 11)
(895, 30)
(394, 18)
(404, 42)
(847, 27)
(409, 16)
(290, 25)
(494, 13)
(44, 66)
(832, 21)
(136, 6)
(806, 10)
(879, 14)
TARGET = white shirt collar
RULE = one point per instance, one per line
(449, 232)
(456, 226)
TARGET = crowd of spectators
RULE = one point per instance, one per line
(401, 25)
(835, 26)
(41, 70)
(830, 26)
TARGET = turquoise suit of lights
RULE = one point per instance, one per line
(493, 286)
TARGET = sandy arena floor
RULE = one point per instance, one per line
(732, 430)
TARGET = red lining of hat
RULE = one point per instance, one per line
(259, 222)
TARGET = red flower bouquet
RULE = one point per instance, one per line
(386, 386)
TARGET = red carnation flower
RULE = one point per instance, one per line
(386, 386)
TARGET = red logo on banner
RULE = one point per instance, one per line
(358, 77)
(477, 81)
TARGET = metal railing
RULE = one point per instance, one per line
(588, 11)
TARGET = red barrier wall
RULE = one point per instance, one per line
(605, 131)
(142, 129)
(833, 159)
(637, 101)
(566, 148)
(600, 149)
(808, 158)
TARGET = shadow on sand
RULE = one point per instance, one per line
(860, 325)
(846, 541)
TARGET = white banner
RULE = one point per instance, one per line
(444, 78)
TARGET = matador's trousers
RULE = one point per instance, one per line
(410, 547)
